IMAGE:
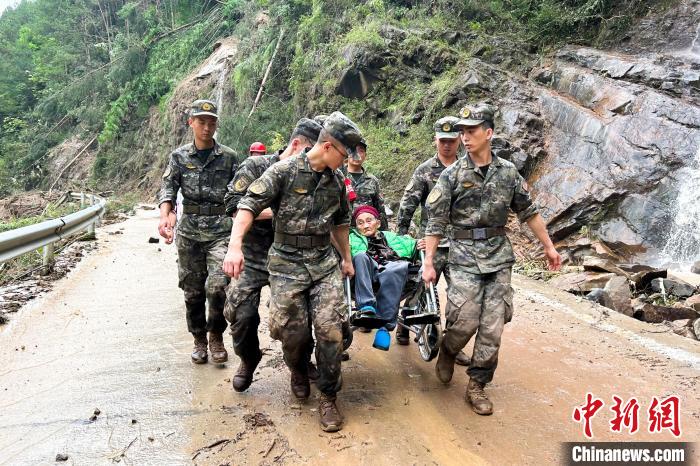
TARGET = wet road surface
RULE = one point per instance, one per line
(112, 336)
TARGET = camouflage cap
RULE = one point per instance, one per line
(445, 128)
(203, 107)
(363, 143)
(320, 119)
(307, 128)
(345, 132)
(473, 115)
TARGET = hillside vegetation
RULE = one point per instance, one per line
(98, 68)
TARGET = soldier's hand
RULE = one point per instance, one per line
(165, 229)
(421, 244)
(347, 269)
(553, 258)
(429, 274)
(233, 263)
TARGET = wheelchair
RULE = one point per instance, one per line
(419, 313)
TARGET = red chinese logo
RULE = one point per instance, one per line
(586, 412)
(627, 416)
(665, 414)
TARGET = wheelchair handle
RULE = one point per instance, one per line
(431, 294)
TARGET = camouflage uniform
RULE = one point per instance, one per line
(369, 193)
(305, 279)
(479, 294)
(422, 182)
(203, 231)
(243, 295)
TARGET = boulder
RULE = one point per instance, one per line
(694, 302)
(695, 268)
(581, 282)
(657, 314)
(692, 279)
(598, 264)
(597, 295)
(617, 296)
(672, 287)
(643, 279)
(696, 328)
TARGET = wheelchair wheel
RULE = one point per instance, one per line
(429, 341)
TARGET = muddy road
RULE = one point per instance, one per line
(98, 370)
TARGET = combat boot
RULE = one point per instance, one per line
(244, 375)
(217, 348)
(300, 384)
(445, 366)
(330, 418)
(199, 353)
(462, 359)
(476, 396)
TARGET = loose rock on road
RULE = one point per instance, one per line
(98, 370)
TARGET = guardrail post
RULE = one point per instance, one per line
(82, 201)
(91, 228)
(48, 259)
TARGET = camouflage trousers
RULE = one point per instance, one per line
(295, 303)
(202, 279)
(242, 304)
(481, 304)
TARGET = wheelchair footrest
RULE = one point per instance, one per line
(357, 320)
(420, 319)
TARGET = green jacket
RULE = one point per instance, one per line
(404, 245)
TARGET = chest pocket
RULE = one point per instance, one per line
(191, 181)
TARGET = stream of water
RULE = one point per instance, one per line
(683, 244)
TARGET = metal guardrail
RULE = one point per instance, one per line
(19, 241)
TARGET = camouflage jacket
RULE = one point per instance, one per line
(257, 242)
(203, 183)
(369, 193)
(422, 182)
(465, 199)
(301, 206)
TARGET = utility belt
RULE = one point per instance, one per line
(479, 233)
(302, 241)
(203, 209)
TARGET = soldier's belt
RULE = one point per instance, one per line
(479, 233)
(204, 209)
(303, 241)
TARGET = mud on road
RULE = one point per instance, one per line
(98, 370)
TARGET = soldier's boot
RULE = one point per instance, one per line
(313, 372)
(445, 366)
(403, 338)
(199, 352)
(244, 375)
(476, 396)
(329, 416)
(299, 383)
(217, 348)
(462, 359)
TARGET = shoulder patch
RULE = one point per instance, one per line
(434, 195)
(258, 187)
(410, 185)
(242, 184)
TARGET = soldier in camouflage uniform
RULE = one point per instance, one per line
(200, 171)
(243, 296)
(422, 182)
(308, 197)
(473, 197)
(365, 185)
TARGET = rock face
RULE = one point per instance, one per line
(695, 267)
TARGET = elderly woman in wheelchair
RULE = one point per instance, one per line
(387, 271)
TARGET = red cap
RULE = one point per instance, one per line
(365, 209)
(258, 147)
